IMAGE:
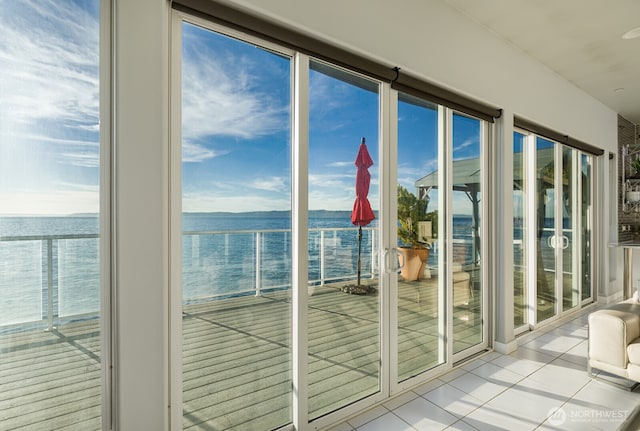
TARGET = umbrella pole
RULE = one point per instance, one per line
(359, 247)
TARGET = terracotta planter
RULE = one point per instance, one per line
(415, 261)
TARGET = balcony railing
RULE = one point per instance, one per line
(48, 279)
(229, 263)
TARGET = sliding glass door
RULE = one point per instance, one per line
(521, 235)
(344, 302)
(466, 281)
(570, 235)
(287, 308)
(236, 232)
(421, 282)
(54, 245)
(280, 281)
(585, 200)
(546, 222)
(553, 220)
(440, 296)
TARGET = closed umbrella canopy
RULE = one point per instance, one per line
(362, 214)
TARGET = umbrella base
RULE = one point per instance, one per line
(359, 289)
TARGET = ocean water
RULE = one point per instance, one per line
(48, 263)
(52, 263)
(226, 254)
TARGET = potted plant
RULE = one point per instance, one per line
(414, 250)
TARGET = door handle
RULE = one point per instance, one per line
(562, 242)
(399, 265)
(391, 261)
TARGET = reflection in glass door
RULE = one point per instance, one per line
(545, 229)
(568, 239)
(466, 203)
(562, 214)
(520, 236)
(586, 226)
(439, 295)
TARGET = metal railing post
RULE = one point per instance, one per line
(258, 278)
(374, 261)
(49, 284)
(322, 270)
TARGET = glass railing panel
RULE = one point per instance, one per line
(21, 282)
(78, 277)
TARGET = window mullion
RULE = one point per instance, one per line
(300, 234)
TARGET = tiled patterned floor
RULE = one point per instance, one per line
(542, 386)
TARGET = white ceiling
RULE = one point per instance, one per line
(581, 40)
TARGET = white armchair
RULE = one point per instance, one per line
(614, 340)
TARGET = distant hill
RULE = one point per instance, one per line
(317, 214)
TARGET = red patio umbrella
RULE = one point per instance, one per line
(362, 214)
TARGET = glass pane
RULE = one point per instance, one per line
(50, 367)
(587, 225)
(344, 323)
(236, 201)
(519, 231)
(569, 241)
(467, 211)
(545, 225)
(420, 295)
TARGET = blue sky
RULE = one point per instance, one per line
(49, 115)
(236, 145)
(236, 121)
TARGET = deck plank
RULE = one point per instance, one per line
(236, 360)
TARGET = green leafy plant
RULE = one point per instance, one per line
(635, 165)
(411, 211)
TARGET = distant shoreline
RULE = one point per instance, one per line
(270, 214)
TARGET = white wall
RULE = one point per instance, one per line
(422, 36)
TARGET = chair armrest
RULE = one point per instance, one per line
(610, 332)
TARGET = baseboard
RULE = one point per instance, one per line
(505, 348)
(610, 299)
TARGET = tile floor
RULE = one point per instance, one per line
(542, 386)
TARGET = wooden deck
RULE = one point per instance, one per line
(51, 380)
(237, 360)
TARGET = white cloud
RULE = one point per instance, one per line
(336, 182)
(219, 100)
(475, 140)
(49, 87)
(340, 164)
(325, 97)
(50, 66)
(86, 160)
(194, 153)
(272, 184)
